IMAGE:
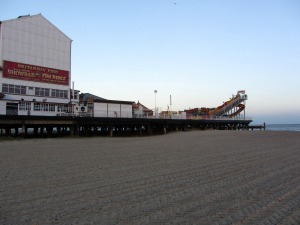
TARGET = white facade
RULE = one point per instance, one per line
(34, 46)
(126, 111)
(100, 109)
(112, 109)
(2, 107)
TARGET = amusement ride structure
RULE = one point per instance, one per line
(229, 109)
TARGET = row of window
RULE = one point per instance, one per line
(43, 92)
(14, 89)
(55, 93)
(25, 106)
(37, 91)
(46, 107)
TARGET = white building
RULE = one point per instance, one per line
(35, 68)
(96, 106)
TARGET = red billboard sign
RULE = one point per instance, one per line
(21, 71)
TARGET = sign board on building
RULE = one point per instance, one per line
(21, 71)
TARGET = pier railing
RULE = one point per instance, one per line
(217, 118)
(113, 114)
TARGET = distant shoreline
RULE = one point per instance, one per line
(283, 127)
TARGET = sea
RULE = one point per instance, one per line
(283, 127)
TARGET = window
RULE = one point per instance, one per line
(13, 89)
(5, 88)
(42, 92)
(45, 107)
(37, 91)
(37, 107)
(17, 89)
(61, 93)
(25, 106)
(55, 93)
(23, 90)
(65, 108)
(22, 106)
(52, 107)
(75, 94)
(47, 92)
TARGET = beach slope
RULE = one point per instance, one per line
(196, 177)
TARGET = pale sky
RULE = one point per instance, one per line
(198, 51)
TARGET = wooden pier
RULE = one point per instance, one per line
(257, 127)
(41, 126)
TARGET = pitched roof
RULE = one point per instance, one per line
(88, 96)
(95, 98)
(144, 107)
(34, 19)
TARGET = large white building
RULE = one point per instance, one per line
(35, 73)
(35, 68)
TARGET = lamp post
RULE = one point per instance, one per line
(155, 91)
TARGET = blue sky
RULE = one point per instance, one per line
(199, 51)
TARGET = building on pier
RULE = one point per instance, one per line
(35, 68)
(94, 106)
(141, 111)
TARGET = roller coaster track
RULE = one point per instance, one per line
(241, 108)
(228, 106)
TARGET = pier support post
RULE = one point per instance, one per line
(16, 131)
(140, 130)
(110, 130)
(23, 131)
(72, 130)
(49, 130)
(41, 130)
(164, 130)
(149, 129)
(35, 131)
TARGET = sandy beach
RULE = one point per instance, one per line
(195, 177)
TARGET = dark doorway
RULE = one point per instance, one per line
(11, 108)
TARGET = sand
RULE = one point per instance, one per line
(195, 177)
